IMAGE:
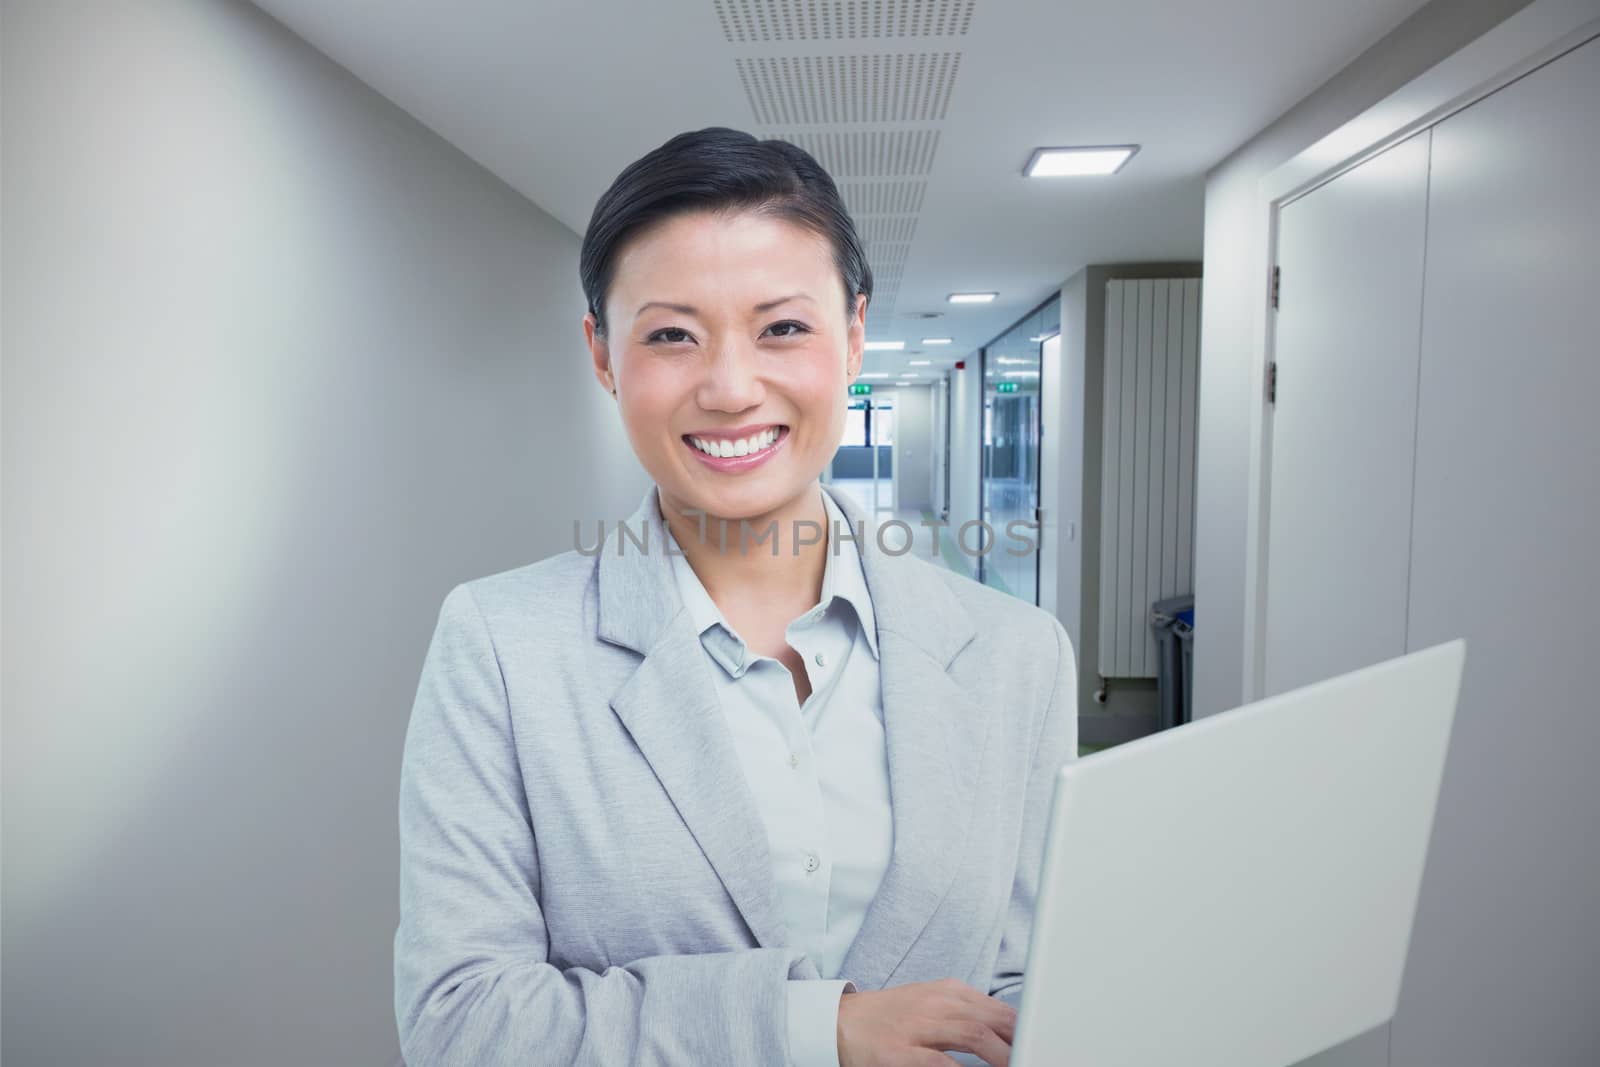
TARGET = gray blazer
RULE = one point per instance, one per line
(584, 875)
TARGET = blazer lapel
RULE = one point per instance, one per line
(935, 733)
(670, 708)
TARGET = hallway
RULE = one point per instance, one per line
(1259, 327)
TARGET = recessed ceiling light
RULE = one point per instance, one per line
(937, 340)
(885, 346)
(909, 374)
(873, 375)
(1067, 162)
(921, 362)
(972, 298)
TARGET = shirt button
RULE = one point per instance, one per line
(794, 761)
(822, 661)
(812, 862)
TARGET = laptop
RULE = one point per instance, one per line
(1239, 891)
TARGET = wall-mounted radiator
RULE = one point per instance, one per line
(1152, 365)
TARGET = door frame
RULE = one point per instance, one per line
(1538, 34)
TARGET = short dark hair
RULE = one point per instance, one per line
(719, 169)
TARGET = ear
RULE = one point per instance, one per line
(599, 353)
(857, 339)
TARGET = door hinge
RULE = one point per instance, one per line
(1272, 383)
(1277, 280)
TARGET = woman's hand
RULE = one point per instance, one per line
(909, 1025)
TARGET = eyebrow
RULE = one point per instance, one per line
(686, 309)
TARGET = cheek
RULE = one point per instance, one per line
(817, 390)
(649, 391)
(820, 382)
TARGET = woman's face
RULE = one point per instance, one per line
(726, 334)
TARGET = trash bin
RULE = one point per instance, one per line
(1172, 623)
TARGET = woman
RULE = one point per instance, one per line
(741, 787)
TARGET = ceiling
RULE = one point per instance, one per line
(924, 111)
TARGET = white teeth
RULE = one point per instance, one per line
(724, 447)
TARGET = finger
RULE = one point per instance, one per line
(967, 996)
(998, 1015)
(1002, 1019)
(969, 1035)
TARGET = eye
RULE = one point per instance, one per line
(672, 335)
(788, 328)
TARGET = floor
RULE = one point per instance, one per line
(922, 537)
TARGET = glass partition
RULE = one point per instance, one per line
(1012, 432)
(862, 466)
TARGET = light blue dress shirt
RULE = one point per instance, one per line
(819, 771)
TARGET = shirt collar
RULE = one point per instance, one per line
(716, 635)
(842, 578)
(842, 575)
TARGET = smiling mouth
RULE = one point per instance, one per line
(755, 445)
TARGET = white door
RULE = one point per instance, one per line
(1508, 556)
(1343, 428)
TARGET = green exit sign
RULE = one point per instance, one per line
(861, 390)
(1006, 387)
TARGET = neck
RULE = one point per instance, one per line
(738, 555)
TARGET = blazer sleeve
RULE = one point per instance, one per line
(1057, 745)
(473, 985)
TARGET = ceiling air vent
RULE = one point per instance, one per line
(883, 198)
(870, 154)
(823, 90)
(751, 21)
(875, 229)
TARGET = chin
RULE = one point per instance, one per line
(742, 501)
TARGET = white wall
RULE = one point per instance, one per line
(941, 423)
(280, 367)
(1502, 526)
(1501, 535)
(1230, 377)
(913, 448)
(966, 459)
(1073, 395)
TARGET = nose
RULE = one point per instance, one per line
(732, 380)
